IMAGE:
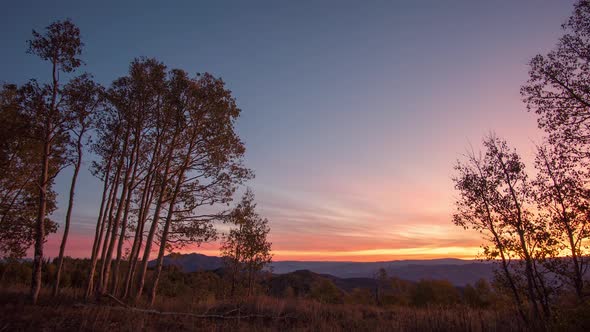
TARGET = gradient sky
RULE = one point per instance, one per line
(353, 112)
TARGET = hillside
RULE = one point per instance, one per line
(458, 272)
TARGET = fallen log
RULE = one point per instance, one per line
(225, 316)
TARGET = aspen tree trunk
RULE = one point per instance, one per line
(578, 275)
(149, 240)
(501, 248)
(108, 219)
(508, 275)
(136, 247)
(64, 239)
(529, 272)
(134, 161)
(154, 226)
(237, 264)
(117, 220)
(112, 201)
(530, 279)
(40, 224)
(43, 182)
(164, 239)
(104, 241)
(542, 289)
(146, 202)
(99, 231)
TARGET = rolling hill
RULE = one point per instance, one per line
(458, 272)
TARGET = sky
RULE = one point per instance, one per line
(353, 112)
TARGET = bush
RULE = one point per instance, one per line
(434, 292)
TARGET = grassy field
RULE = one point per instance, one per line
(67, 313)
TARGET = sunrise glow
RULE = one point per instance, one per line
(352, 130)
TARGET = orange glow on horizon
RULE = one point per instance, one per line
(368, 255)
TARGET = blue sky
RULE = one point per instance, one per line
(353, 112)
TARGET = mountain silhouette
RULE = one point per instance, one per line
(458, 272)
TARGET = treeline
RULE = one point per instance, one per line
(537, 223)
(162, 142)
(385, 291)
(221, 285)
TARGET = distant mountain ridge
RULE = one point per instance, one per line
(192, 262)
(458, 272)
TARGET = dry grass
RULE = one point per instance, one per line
(66, 313)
